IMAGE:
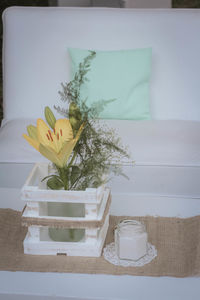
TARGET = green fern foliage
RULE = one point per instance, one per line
(98, 153)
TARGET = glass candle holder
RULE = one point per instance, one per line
(130, 240)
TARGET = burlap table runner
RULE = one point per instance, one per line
(177, 241)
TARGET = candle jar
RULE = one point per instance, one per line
(130, 240)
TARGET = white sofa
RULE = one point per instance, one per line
(166, 150)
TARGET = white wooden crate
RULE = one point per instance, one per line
(92, 219)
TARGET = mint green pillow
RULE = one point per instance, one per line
(123, 75)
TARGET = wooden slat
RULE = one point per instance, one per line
(34, 194)
(29, 221)
(37, 193)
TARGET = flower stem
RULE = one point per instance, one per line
(64, 177)
(72, 160)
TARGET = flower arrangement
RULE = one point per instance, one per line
(81, 150)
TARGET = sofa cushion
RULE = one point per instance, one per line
(168, 143)
(163, 142)
(167, 159)
(120, 75)
(166, 154)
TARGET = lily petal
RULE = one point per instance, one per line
(69, 146)
(79, 132)
(64, 129)
(42, 131)
(51, 155)
(32, 132)
(66, 151)
(34, 143)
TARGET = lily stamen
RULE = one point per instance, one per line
(50, 135)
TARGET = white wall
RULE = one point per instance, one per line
(74, 3)
(147, 3)
(117, 3)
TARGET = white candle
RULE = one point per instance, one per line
(130, 240)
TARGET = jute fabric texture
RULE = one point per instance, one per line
(177, 242)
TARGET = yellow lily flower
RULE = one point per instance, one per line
(56, 145)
